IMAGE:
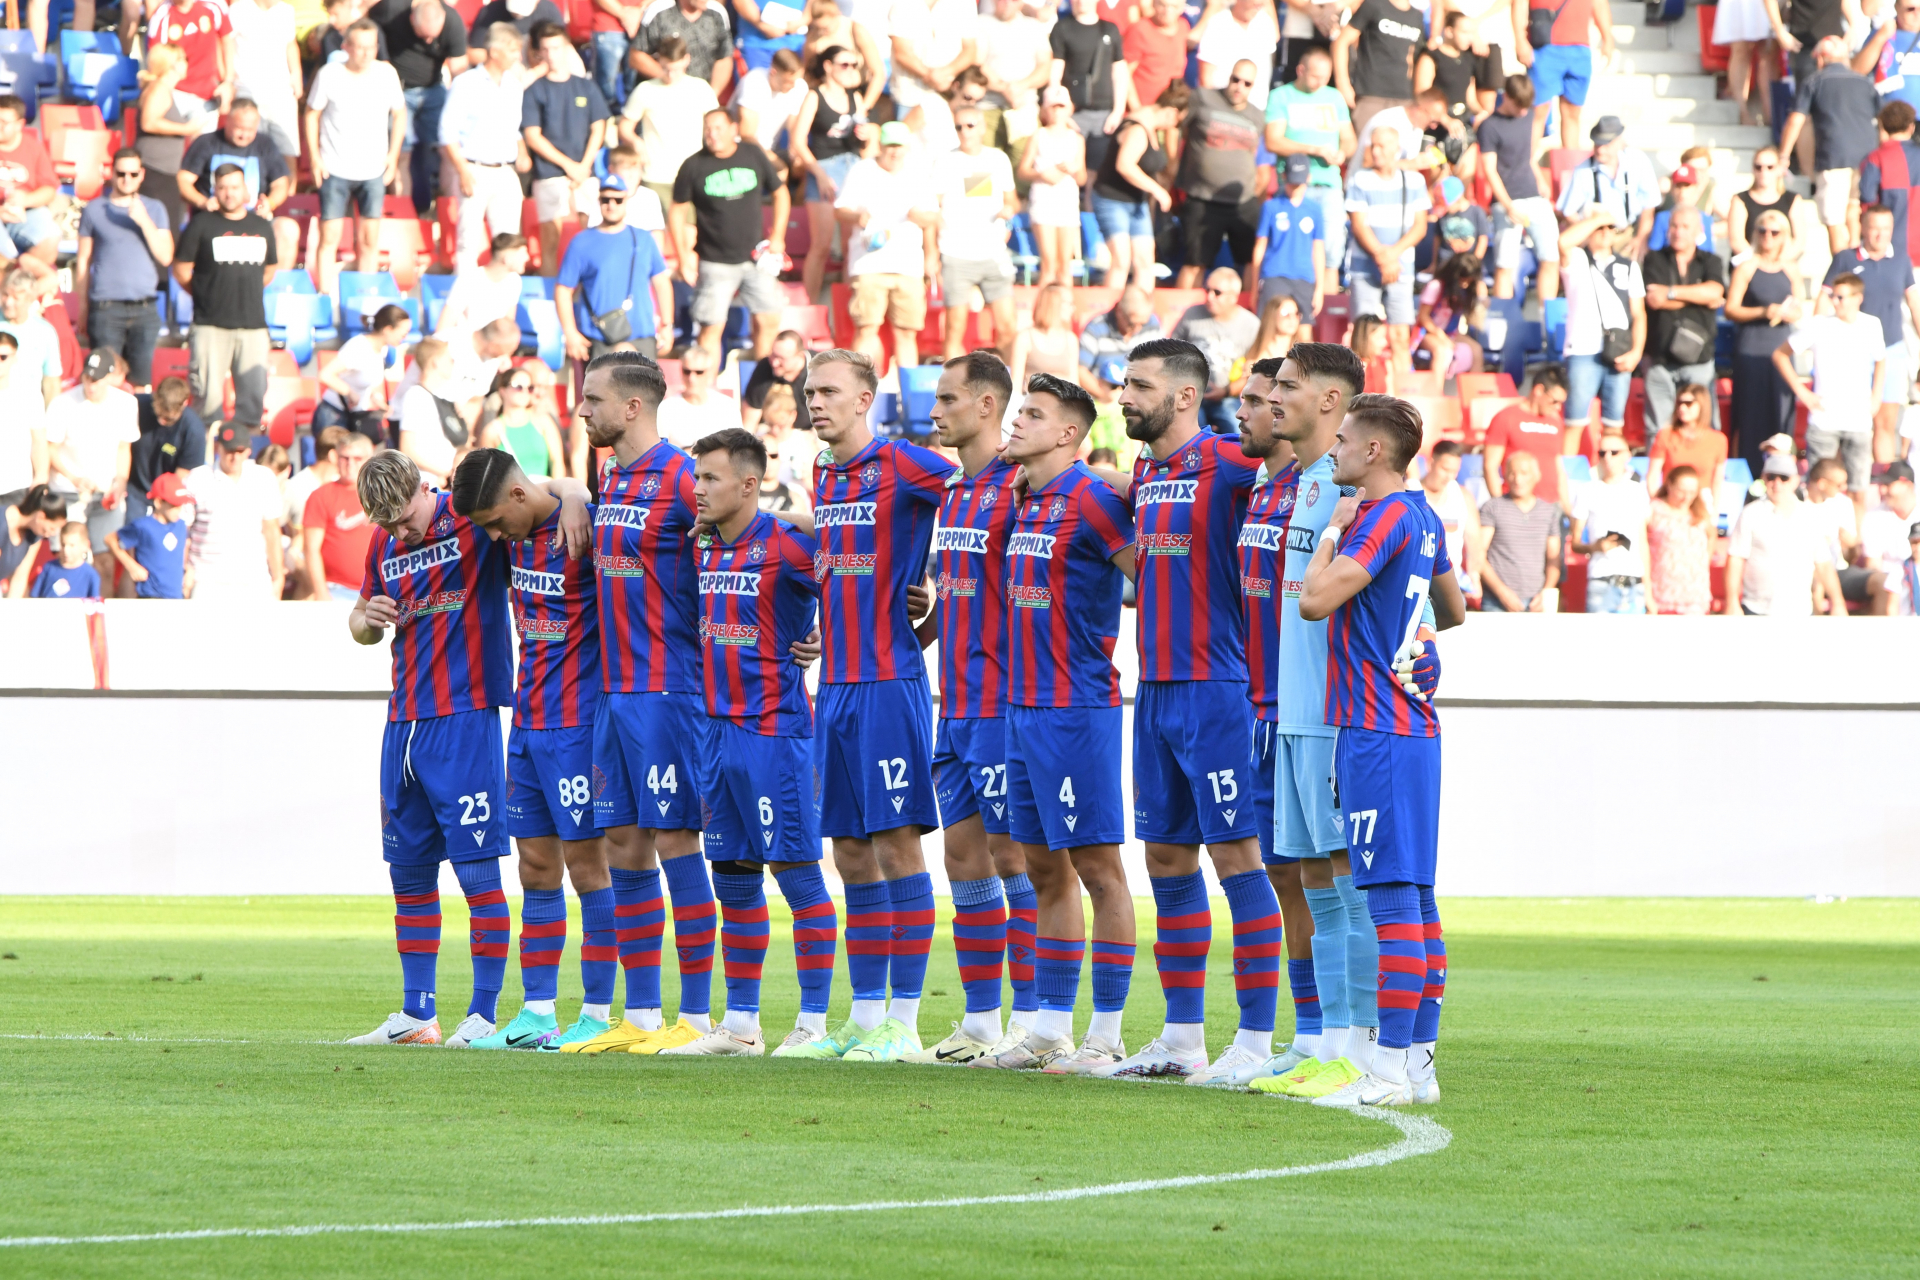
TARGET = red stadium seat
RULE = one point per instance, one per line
(170, 362)
(1714, 58)
(1560, 162)
(83, 158)
(1336, 313)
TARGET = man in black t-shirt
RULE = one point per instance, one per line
(1093, 67)
(1685, 290)
(1373, 58)
(172, 439)
(241, 141)
(423, 40)
(785, 366)
(226, 257)
(720, 191)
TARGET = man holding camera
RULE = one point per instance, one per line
(1610, 528)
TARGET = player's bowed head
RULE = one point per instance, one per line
(727, 469)
(840, 388)
(490, 489)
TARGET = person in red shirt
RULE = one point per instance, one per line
(1537, 426)
(27, 188)
(1156, 50)
(336, 528)
(202, 30)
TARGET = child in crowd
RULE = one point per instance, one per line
(73, 577)
(1369, 341)
(153, 548)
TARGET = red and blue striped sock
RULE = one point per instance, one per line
(1306, 998)
(980, 940)
(416, 932)
(1256, 947)
(743, 937)
(1183, 934)
(815, 932)
(1426, 1023)
(1056, 967)
(543, 936)
(639, 923)
(597, 947)
(1403, 960)
(1023, 914)
(491, 925)
(1112, 975)
(912, 933)
(695, 924)
(869, 940)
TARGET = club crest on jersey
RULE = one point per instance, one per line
(870, 474)
(441, 528)
(987, 498)
(757, 552)
(1191, 458)
(822, 559)
(650, 486)
(1059, 507)
(1313, 493)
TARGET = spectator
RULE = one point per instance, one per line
(27, 189)
(481, 143)
(1520, 558)
(1107, 338)
(297, 490)
(525, 428)
(1769, 192)
(768, 98)
(205, 34)
(768, 30)
(1688, 440)
(1373, 57)
(1310, 118)
(477, 361)
(1218, 171)
(1411, 122)
(1606, 319)
(227, 258)
(1289, 248)
(23, 427)
(235, 552)
(977, 203)
(933, 41)
(423, 41)
(1745, 27)
(124, 245)
(1892, 296)
(1832, 507)
(885, 210)
(1466, 74)
(481, 295)
(1763, 300)
(1223, 330)
(1388, 207)
(168, 119)
(726, 245)
(39, 514)
(1615, 179)
(266, 66)
(785, 366)
(1535, 426)
(1890, 55)
(1888, 174)
(1685, 291)
(1227, 34)
(1448, 304)
(90, 434)
(1609, 527)
(1849, 372)
(1280, 325)
(697, 410)
(1054, 165)
(1885, 546)
(1688, 188)
(521, 15)
(1089, 61)
(1680, 546)
(615, 25)
(600, 295)
(1554, 44)
(1155, 50)
(791, 449)
(356, 122)
(1132, 180)
(1510, 150)
(269, 182)
(706, 41)
(38, 345)
(1457, 208)
(829, 132)
(1777, 556)
(1049, 344)
(1843, 107)
(1458, 517)
(663, 115)
(327, 42)
(173, 440)
(72, 576)
(353, 389)
(433, 431)
(152, 547)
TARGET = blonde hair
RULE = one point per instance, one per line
(861, 365)
(388, 481)
(161, 59)
(782, 395)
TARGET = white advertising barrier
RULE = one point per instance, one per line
(236, 750)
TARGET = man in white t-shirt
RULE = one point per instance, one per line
(90, 433)
(1833, 509)
(235, 551)
(1610, 528)
(1849, 370)
(1018, 61)
(356, 122)
(696, 410)
(933, 41)
(1228, 33)
(482, 147)
(885, 207)
(977, 204)
(481, 295)
(768, 97)
(1884, 548)
(1777, 553)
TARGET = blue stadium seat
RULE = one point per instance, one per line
(744, 369)
(1472, 467)
(1026, 258)
(1579, 470)
(917, 384)
(1738, 472)
(884, 417)
(433, 293)
(1553, 316)
(98, 71)
(361, 293)
(1639, 465)
(539, 320)
(297, 317)
(23, 64)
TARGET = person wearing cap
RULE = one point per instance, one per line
(1880, 559)
(1881, 264)
(1553, 41)
(227, 257)
(610, 269)
(1053, 163)
(1606, 318)
(1220, 172)
(1687, 189)
(234, 553)
(482, 148)
(726, 248)
(1849, 355)
(1616, 178)
(1843, 107)
(1686, 287)
(152, 547)
(90, 434)
(1289, 248)
(1777, 555)
(885, 208)
(1463, 225)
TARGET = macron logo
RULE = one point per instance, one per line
(1166, 491)
(1263, 537)
(967, 541)
(1031, 544)
(535, 583)
(626, 517)
(729, 584)
(843, 513)
(434, 553)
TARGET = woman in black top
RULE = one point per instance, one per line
(38, 515)
(829, 133)
(1763, 301)
(1129, 184)
(1769, 191)
(1470, 78)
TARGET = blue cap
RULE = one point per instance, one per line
(613, 182)
(1111, 369)
(1452, 189)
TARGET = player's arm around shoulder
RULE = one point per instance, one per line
(1109, 518)
(1333, 579)
(797, 550)
(576, 519)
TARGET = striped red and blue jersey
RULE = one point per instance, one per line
(649, 603)
(1401, 542)
(452, 650)
(1063, 593)
(969, 566)
(1187, 513)
(757, 597)
(556, 610)
(874, 517)
(1263, 554)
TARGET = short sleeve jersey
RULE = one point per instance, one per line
(874, 516)
(1187, 513)
(1063, 593)
(556, 611)
(452, 650)
(1400, 542)
(969, 568)
(1300, 703)
(1263, 551)
(757, 597)
(649, 601)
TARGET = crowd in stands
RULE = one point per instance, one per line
(1649, 388)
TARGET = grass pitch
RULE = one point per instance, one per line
(1635, 1088)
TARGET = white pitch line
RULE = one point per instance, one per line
(106, 1039)
(1419, 1137)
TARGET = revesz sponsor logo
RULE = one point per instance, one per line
(439, 602)
(947, 585)
(625, 517)
(434, 553)
(536, 583)
(729, 584)
(544, 630)
(843, 513)
(851, 563)
(967, 541)
(736, 633)
(619, 566)
(1026, 597)
(1260, 588)
(1031, 544)
(1164, 544)
(1265, 537)
(1158, 491)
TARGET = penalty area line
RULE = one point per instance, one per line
(1419, 1136)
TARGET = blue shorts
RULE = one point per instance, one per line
(873, 757)
(36, 227)
(757, 798)
(367, 197)
(1307, 822)
(1266, 750)
(644, 746)
(1063, 776)
(1124, 219)
(1562, 71)
(443, 789)
(970, 772)
(1390, 793)
(550, 783)
(1192, 762)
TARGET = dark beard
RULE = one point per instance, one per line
(1149, 426)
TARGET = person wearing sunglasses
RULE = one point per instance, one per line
(1609, 527)
(614, 289)
(1892, 56)
(525, 426)
(124, 241)
(1768, 192)
(1763, 299)
(1778, 557)
(828, 136)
